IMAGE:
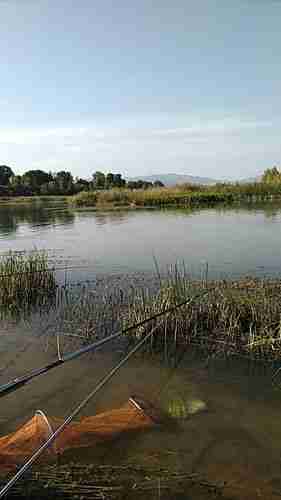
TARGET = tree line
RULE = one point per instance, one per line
(271, 176)
(38, 182)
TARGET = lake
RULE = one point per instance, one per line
(237, 439)
(233, 241)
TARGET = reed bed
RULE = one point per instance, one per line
(235, 318)
(26, 280)
(185, 195)
(156, 197)
(229, 318)
(84, 199)
(86, 313)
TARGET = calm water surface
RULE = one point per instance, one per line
(233, 241)
(238, 438)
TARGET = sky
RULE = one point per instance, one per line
(141, 87)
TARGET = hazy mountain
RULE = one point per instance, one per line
(172, 179)
(250, 179)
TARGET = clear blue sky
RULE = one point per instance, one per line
(141, 87)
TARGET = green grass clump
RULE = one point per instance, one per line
(227, 318)
(184, 195)
(234, 318)
(174, 197)
(155, 197)
(115, 197)
(84, 199)
(25, 281)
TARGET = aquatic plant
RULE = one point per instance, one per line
(234, 318)
(185, 195)
(228, 318)
(115, 197)
(84, 199)
(155, 197)
(26, 280)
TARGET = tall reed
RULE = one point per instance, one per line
(156, 197)
(25, 281)
(186, 195)
(234, 318)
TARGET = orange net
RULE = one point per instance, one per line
(16, 447)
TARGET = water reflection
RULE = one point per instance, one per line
(269, 210)
(233, 240)
(112, 217)
(34, 216)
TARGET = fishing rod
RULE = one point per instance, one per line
(20, 381)
(106, 378)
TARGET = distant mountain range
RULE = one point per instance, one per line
(251, 179)
(172, 179)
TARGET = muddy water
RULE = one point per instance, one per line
(236, 440)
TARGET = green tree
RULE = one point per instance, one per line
(15, 181)
(158, 184)
(118, 181)
(98, 180)
(64, 182)
(109, 182)
(49, 188)
(271, 175)
(5, 174)
(34, 179)
(16, 185)
(81, 185)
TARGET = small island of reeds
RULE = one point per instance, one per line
(186, 195)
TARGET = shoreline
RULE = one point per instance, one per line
(143, 200)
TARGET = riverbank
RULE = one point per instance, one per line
(186, 195)
(148, 198)
(182, 195)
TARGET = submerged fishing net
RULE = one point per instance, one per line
(17, 447)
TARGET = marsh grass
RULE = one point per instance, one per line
(85, 313)
(84, 199)
(241, 318)
(230, 318)
(185, 195)
(26, 280)
(156, 197)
